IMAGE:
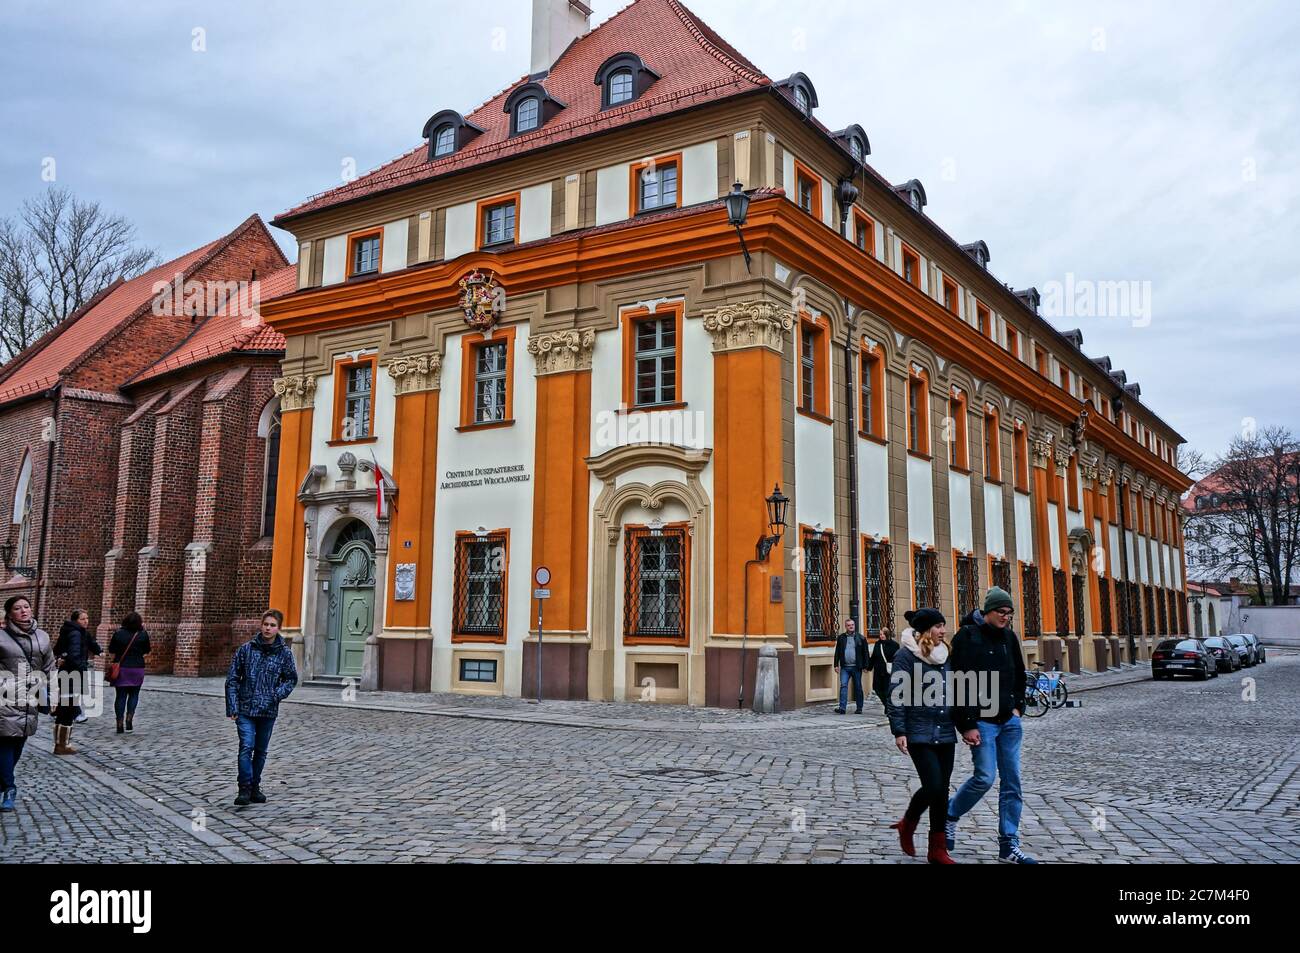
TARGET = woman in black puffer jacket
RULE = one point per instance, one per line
(920, 717)
(74, 650)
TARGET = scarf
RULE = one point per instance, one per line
(938, 654)
(14, 627)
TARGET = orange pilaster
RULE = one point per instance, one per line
(290, 528)
(561, 494)
(415, 471)
(1043, 552)
(747, 465)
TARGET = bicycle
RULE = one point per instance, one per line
(1051, 683)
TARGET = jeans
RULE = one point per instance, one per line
(254, 740)
(847, 672)
(997, 755)
(11, 749)
(125, 700)
(934, 768)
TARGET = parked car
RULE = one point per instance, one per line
(1225, 654)
(1245, 651)
(1257, 644)
(1183, 657)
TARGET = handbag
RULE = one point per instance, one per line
(113, 669)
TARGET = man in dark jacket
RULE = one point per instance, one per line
(850, 660)
(262, 675)
(986, 657)
(882, 658)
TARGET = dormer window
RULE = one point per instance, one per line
(527, 115)
(444, 141)
(530, 107)
(800, 90)
(913, 193)
(854, 139)
(448, 131)
(620, 87)
(623, 78)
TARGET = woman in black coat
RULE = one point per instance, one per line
(920, 716)
(128, 647)
(73, 650)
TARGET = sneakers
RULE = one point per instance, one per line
(256, 795)
(1012, 854)
(245, 795)
(950, 834)
(7, 802)
(81, 719)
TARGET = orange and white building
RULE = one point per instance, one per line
(542, 337)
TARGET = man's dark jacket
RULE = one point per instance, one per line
(984, 650)
(861, 648)
(262, 675)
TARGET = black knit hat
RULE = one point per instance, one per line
(922, 620)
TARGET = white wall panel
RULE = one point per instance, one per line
(959, 511)
(920, 501)
(460, 234)
(535, 212)
(396, 237)
(335, 267)
(994, 525)
(613, 195)
(700, 173)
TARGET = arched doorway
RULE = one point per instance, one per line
(1213, 626)
(351, 600)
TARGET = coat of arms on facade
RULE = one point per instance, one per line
(479, 300)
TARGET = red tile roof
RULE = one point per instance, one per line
(238, 326)
(695, 66)
(60, 348)
(63, 348)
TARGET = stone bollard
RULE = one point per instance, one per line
(767, 682)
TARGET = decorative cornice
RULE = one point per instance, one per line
(560, 352)
(1042, 452)
(296, 392)
(416, 372)
(748, 324)
(1090, 472)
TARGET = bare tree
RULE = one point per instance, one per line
(58, 255)
(1245, 517)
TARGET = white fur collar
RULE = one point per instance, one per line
(937, 656)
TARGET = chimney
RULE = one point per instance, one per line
(556, 24)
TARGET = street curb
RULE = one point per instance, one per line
(225, 848)
(556, 722)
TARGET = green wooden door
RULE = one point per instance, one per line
(352, 609)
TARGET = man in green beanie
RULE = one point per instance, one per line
(987, 648)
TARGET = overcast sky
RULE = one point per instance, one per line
(1154, 143)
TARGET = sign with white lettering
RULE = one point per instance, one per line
(541, 593)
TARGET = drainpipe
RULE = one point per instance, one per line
(55, 394)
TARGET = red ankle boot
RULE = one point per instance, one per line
(906, 828)
(938, 850)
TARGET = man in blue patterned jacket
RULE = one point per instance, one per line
(262, 675)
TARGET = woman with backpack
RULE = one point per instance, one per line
(920, 717)
(127, 649)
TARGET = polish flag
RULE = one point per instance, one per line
(381, 499)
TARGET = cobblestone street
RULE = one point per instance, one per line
(1121, 779)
